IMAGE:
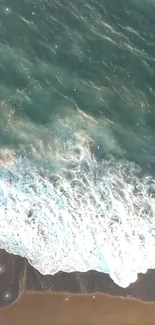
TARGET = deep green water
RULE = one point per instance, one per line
(97, 55)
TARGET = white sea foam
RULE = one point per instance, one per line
(79, 213)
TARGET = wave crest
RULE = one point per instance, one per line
(80, 214)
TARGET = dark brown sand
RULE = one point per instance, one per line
(72, 309)
(28, 297)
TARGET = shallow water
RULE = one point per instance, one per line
(77, 158)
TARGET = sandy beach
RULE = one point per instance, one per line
(27, 297)
(69, 309)
(18, 276)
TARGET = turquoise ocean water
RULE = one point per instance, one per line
(77, 135)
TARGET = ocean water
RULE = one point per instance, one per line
(77, 135)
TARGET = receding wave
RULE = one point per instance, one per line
(77, 212)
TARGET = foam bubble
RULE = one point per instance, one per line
(80, 213)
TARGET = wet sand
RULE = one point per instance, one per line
(28, 297)
(66, 309)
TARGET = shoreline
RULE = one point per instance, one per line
(92, 298)
(17, 276)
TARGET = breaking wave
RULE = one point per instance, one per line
(77, 212)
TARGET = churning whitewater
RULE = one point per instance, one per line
(73, 211)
